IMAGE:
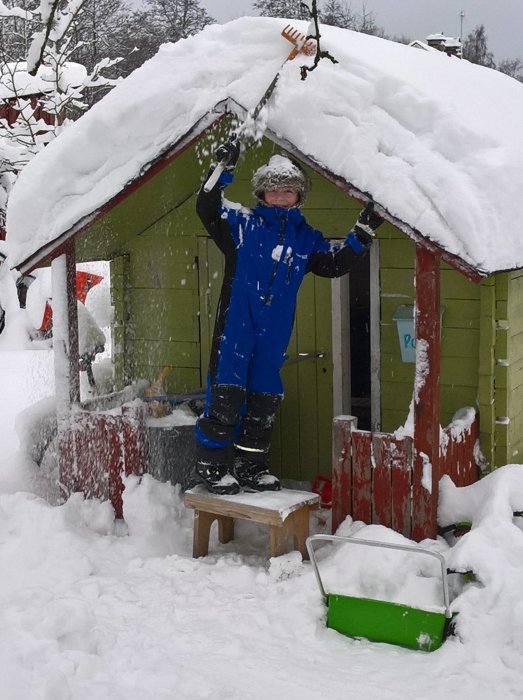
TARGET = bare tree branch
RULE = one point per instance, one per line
(313, 13)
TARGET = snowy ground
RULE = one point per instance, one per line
(94, 610)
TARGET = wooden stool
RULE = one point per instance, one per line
(286, 512)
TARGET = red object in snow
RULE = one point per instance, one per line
(323, 487)
(85, 281)
(47, 320)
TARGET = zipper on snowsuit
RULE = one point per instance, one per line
(267, 296)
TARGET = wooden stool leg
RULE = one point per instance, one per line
(225, 529)
(277, 540)
(202, 530)
(301, 531)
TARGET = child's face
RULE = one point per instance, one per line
(281, 198)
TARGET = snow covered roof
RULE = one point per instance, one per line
(417, 44)
(437, 143)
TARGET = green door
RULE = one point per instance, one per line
(302, 438)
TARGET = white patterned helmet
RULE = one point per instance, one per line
(280, 173)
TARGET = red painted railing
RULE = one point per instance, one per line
(98, 448)
(373, 476)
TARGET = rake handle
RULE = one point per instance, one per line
(300, 45)
(213, 177)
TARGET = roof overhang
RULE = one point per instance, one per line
(364, 197)
(227, 107)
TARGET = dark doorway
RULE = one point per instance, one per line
(360, 343)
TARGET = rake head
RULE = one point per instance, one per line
(299, 41)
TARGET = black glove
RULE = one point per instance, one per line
(228, 153)
(366, 225)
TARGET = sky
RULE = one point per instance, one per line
(417, 19)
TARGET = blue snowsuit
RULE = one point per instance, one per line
(268, 251)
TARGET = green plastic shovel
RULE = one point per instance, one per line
(381, 620)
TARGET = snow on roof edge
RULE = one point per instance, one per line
(444, 159)
(221, 109)
(148, 170)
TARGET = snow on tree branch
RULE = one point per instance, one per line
(35, 55)
(14, 12)
(41, 85)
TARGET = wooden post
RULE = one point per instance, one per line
(341, 398)
(426, 395)
(375, 338)
(72, 316)
(65, 332)
(66, 360)
(342, 468)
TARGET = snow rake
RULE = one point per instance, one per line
(381, 620)
(300, 44)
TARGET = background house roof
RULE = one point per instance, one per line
(15, 81)
(437, 142)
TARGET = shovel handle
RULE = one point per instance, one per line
(386, 545)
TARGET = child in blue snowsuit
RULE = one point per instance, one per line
(268, 250)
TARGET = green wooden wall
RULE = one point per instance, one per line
(460, 300)
(502, 353)
(164, 301)
(166, 278)
(482, 349)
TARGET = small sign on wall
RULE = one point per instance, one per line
(404, 317)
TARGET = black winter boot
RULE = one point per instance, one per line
(216, 425)
(252, 471)
(251, 455)
(213, 469)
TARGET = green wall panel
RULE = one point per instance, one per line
(165, 352)
(515, 314)
(165, 264)
(510, 349)
(141, 209)
(394, 417)
(460, 342)
(165, 283)
(165, 314)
